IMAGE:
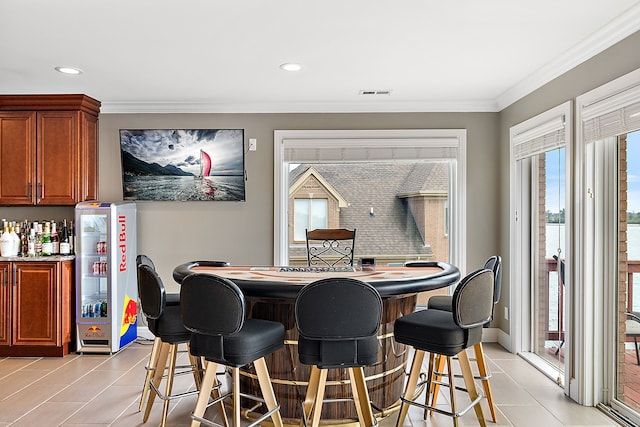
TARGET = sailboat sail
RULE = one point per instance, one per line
(205, 163)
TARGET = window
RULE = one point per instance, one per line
(308, 214)
(320, 159)
(538, 200)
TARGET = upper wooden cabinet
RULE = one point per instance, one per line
(48, 149)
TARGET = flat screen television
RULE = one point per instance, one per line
(183, 164)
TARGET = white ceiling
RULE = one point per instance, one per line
(224, 55)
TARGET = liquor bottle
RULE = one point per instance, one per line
(24, 241)
(65, 245)
(18, 230)
(16, 239)
(72, 238)
(55, 239)
(38, 240)
(47, 246)
(31, 243)
(6, 242)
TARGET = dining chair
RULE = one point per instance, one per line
(214, 310)
(330, 246)
(448, 334)
(338, 320)
(157, 350)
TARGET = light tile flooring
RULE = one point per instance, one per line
(103, 390)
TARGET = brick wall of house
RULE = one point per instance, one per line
(622, 261)
(541, 310)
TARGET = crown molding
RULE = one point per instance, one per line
(163, 107)
(618, 29)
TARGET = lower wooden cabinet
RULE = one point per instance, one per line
(36, 308)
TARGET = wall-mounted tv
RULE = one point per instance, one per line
(183, 164)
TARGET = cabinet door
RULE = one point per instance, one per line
(88, 175)
(36, 318)
(57, 164)
(5, 303)
(17, 158)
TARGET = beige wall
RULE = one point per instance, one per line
(242, 232)
(614, 62)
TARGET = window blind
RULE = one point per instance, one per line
(612, 116)
(541, 138)
(354, 150)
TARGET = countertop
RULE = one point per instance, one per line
(49, 258)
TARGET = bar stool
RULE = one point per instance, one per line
(165, 323)
(338, 321)
(443, 302)
(447, 334)
(214, 310)
(157, 350)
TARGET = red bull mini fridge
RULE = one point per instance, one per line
(106, 276)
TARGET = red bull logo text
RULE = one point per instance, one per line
(122, 238)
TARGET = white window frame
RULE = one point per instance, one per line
(528, 139)
(595, 254)
(380, 145)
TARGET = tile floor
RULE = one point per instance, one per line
(103, 390)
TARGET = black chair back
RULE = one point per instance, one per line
(473, 299)
(151, 292)
(143, 259)
(216, 305)
(338, 321)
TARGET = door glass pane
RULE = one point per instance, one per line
(549, 258)
(628, 362)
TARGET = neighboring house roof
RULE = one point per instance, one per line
(383, 187)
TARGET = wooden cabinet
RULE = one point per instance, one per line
(48, 149)
(36, 308)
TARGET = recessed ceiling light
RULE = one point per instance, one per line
(291, 66)
(69, 70)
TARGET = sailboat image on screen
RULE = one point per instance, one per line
(205, 170)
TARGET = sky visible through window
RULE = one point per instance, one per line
(555, 174)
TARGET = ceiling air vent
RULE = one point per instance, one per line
(375, 92)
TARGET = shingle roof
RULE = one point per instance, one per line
(392, 229)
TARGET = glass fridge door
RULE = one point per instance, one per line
(93, 301)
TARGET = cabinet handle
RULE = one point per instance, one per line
(39, 192)
(29, 191)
